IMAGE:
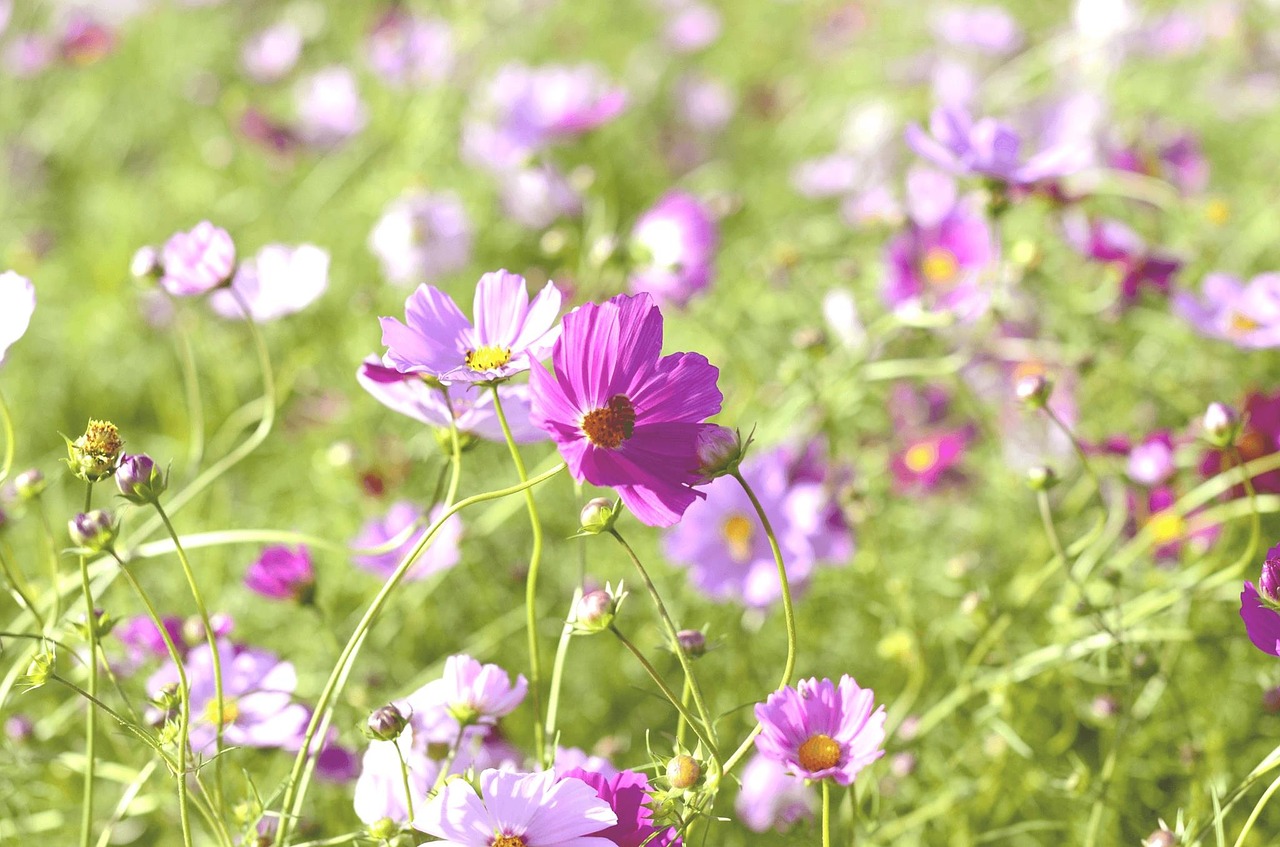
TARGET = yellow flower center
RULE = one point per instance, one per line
(736, 530)
(1241, 324)
(1166, 526)
(939, 265)
(1217, 211)
(488, 358)
(818, 753)
(509, 841)
(920, 457)
(228, 716)
(611, 425)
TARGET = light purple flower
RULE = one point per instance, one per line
(1106, 240)
(143, 642)
(819, 730)
(197, 261)
(827, 176)
(770, 798)
(622, 414)
(674, 244)
(407, 50)
(704, 103)
(510, 334)
(627, 793)
(988, 148)
(258, 709)
(282, 573)
(569, 758)
(1151, 462)
(938, 261)
(986, 29)
(469, 406)
(472, 693)
(1269, 580)
(441, 555)
(692, 27)
(28, 54)
(533, 810)
(725, 548)
(271, 53)
(1179, 160)
(278, 281)
(379, 791)
(330, 110)
(17, 305)
(1246, 315)
(538, 195)
(422, 236)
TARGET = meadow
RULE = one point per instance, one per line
(539, 423)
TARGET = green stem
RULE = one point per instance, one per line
(91, 725)
(788, 612)
(666, 690)
(826, 813)
(10, 445)
(12, 578)
(1257, 810)
(1079, 450)
(110, 712)
(449, 758)
(682, 726)
(530, 586)
(404, 775)
(557, 675)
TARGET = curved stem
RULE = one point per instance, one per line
(91, 725)
(557, 677)
(530, 585)
(666, 690)
(1079, 450)
(449, 759)
(10, 445)
(788, 612)
(1257, 810)
(124, 722)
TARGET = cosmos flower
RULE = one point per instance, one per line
(1170, 532)
(987, 148)
(928, 459)
(143, 642)
(1259, 436)
(627, 793)
(1151, 461)
(819, 730)
(408, 50)
(569, 758)
(1111, 242)
(517, 810)
(674, 244)
(330, 110)
(278, 281)
(537, 195)
(1247, 315)
(510, 334)
(985, 29)
(17, 305)
(1179, 160)
(1259, 604)
(440, 555)
(473, 693)
(197, 261)
(622, 414)
(282, 573)
(471, 407)
(271, 53)
(422, 236)
(771, 798)
(379, 790)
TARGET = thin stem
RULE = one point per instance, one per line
(826, 813)
(210, 638)
(124, 722)
(682, 726)
(12, 578)
(404, 775)
(449, 758)
(674, 639)
(55, 611)
(91, 725)
(530, 585)
(1257, 810)
(1255, 526)
(10, 445)
(666, 690)
(788, 612)
(557, 674)
(1078, 448)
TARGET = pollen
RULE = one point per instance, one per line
(920, 457)
(818, 753)
(1242, 324)
(1166, 526)
(509, 841)
(939, 266)
(611, 425)
(736, 530)
(488, 358)
(230, 711)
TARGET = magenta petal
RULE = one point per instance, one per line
(1260, 622)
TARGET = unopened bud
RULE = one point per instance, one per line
(594, 612)
(1042, 478)
(598, 515)
(146, 264)
(29, 484)
(1160, 838)
(1269, 581)
(693, 642)
(1033, 391)
(1221, 425)
(139, 480)
(683, 772)
(720, 451)
(93, 531)
(386, 723)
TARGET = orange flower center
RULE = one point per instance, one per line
(920, 457)
(610, 426)
(509, 841)
(1242, 324)
(939, 265)
(736, 530)
(818, 753)
(488, 358)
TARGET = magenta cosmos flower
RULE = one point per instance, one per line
(282, 573)
(1259, 604)
(623, 414)
(509, 335)
(675, 247)
(407, 50)
(17, 305)
(819, 730)
(517, 810)
(627, 793)
(381, 534)
(1111, 242)
(278, 281)
(197, 261)
(928, 460)
(1259, 436)
(1246, 315)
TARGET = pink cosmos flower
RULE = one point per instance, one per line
(771, 798)
(819, 730)
(1259, 436)
(197, 261)
(1109, 241)
(675, 242)
(1152, 462)
(17, 305)
(517, 810)
(509, 336)
(1247, 315)
(471, 408)
(282, 573)
(474, 693)
(627, 793)
(441, 555)
(422, 236)
(622, 414)
(271, 53)
(927, 460)
(143, 642)
(278, 281)
(330, 110)
(405, 49)
(1259, 604)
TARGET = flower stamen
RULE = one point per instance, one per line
(818, 753)
(488, 358)
(610, 426)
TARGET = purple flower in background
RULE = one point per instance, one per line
(1109, 241)
(273, 135)
(143, 642)
(938, 260)
(85, 40)
(509, 336)
(278, 281)
(986, 29)
(1269, 581)
(627, 793)
(622, 414)
(1247, 315)
(257, 708)
(532, 810)
(270, 54)
(1151, 461)
(17, 305)
(538, 195)
(470, 407)
(1155, 512)
(1179, 160)
(197, 261)
(827, 176)
(422, 236)
(330, 110)
(692, 27)
(440, 555)
(725, 548)
(282, 573)
(770, 798)
(988, 148)
(821, 730)
(674, 244)
(569, 758)
(704, 103)
(28, 54)
(473, 693)
(928, 460)
(407, 50)
(1259, 436)
(337, 764)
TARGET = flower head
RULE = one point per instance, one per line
(1247, 315)
(1269, 581)
(95, 455)
(1250, 435)
(821, 730)
(772, 798)
(140, 480)
(278, 281)
(405, 49)
(1111, 242)
(282, 573)
(473, 693)
(17, 304)
(422, 236)
(1261, 620)
(627, 794)
(272, 52)
(510, 334)
(928, 460)
(622, 414)
(380, 533)
(330, 110)
(197, 261)
(675, 245)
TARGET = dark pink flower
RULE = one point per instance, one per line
(627, 793)
(282, 573)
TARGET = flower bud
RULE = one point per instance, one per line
(198, 261)
(19, 728)
(146, 264)
(386, 723)
(1042, 478)
(1033, 391)
(39, 671)
(95, 455)
(720, 451)
(1269, 581)
(598, 515)
(1221, 425)
(683, 771)
(1271, 700)
(594, 612)
(93, 531)
(139, 480)
(1160, 838)
(693, 642)
(29, 484)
